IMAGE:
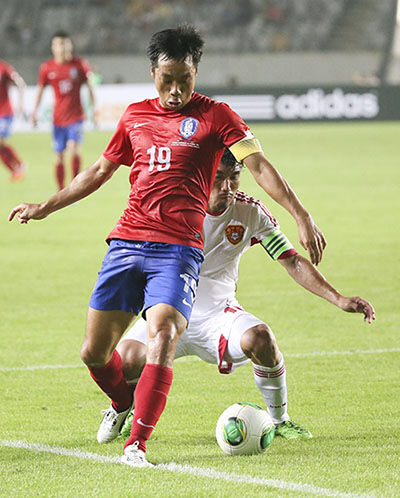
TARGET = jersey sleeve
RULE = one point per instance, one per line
(235, 133)
(86, 69)
(119, 150)
(269, 235)
(10, 71)
(42, 78)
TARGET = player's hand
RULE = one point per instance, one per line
(95, 118)
(25, 212)
(312, 239)
(358, 305)
(34, 119)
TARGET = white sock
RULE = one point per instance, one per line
(271, 381)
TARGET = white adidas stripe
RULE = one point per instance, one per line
(187, 469)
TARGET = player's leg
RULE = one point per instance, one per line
(257, 342)
(172, 273)
(116, 299)
(59, 169)
(165, 325)
(75, 137)
(4, 156)
(103, 331)
(133, 355)
(59, 146)
(7, 153)
(132, 349)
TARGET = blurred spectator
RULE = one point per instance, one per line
(123, 26)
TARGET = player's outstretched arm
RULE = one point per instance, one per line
(305, 274)
(21, 85)
(265, 174)
(36, 105)
(81, 186)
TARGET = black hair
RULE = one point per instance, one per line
(177, 44)
(229, 159)
(60, 34)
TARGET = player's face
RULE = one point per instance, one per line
(174, 82)
(226, 183)
(61, 48)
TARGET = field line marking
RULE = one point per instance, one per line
(345, 353)
(187, 469)
(39, 367)
(195, 358)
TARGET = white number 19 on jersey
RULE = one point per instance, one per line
(163, 158)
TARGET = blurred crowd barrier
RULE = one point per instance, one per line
(301, 103)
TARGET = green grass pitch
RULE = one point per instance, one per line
(348, 176)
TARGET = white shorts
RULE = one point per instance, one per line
(214, 339)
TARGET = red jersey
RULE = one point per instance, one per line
(66, 79)
(174, 157)
(6, 72)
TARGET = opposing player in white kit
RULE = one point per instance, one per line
(220, 330)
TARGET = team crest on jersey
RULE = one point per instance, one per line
(188, 127)
(234, 233)
(73, 72)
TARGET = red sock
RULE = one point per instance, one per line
(60, 175)
(110, 379)
(150, 399)
(76, 165)
(9, 157)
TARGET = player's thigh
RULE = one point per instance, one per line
(74, 137)
(104, 329)
(138, 334)
(172, 273)
(201, 339)
(120, 284)
(74, 148)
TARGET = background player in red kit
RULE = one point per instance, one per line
(66, 74)
(9, 76)
(173, 144)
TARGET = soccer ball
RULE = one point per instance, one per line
(245, 429)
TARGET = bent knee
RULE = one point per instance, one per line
(133, 355)
(93, 357)
(259, 343)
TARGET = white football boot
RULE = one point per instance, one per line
(134, 457)
(111, 424)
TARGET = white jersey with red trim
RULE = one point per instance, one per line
(226, 237)
(217, 317)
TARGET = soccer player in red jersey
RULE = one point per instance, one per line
(9, 76)
(66, 74)
(173, 145)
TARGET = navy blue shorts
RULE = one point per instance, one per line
(61, 135)
(5, 126)
(136, 275)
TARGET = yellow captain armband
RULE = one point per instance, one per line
(244, 148)
(276, 243)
